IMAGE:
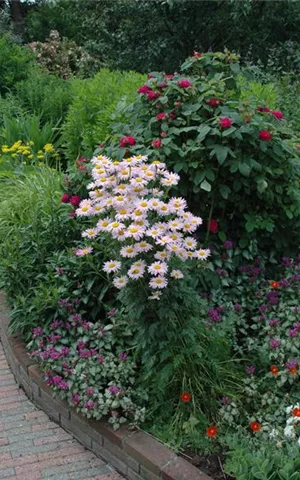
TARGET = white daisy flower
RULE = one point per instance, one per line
(129, 251)
(158, 282)
(111, 266)
(120, 282)
(202, 254)
(177, 274)
(143, 247)
(158, 268)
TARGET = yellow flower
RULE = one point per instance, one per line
(48, 148)
(14, 155)
(40, 157)
(31, 143)
(30, 157)
(40, 152)
(5, 149)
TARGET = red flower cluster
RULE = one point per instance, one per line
(296, 412)
(213, 102)
(274, 285)
(144, 89)
(197, 54)
(127, 142)
(72, 199)
(156, 143)
(277, 114)
(265, 135)
(225, 122)
(161, 116)
(184, 83)
(213, 226)
(153, 95)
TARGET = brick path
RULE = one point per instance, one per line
(32, 447)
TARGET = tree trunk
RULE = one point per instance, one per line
(16, 11)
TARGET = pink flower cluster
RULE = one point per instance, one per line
(129, 197)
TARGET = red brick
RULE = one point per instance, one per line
(9, 406)
(44, 426)
(61, 435)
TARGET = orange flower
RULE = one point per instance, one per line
(274, 369)
(293, 370)
(212, 431)
(296, 412)
(274, 284)
(185, 397)
(255, 426)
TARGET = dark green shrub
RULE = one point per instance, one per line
(16, 63)
(238, 162)
(94, 101)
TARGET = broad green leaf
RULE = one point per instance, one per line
(205, 186)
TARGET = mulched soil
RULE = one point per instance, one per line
(212, 465)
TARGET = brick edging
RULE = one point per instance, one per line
(135, 454)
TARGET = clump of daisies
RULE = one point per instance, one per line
(153, 235)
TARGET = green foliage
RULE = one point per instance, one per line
(94, 101)
(27, 128)
(44, 95)
(33, 225)
(267, 462)
(15, 61)
(11, 107)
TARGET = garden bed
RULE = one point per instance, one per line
(135, 454)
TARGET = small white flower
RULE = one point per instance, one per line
(111, 266)
(158, 282)
(158, 268)
(120, 282)
(177, 274)
(202, 254)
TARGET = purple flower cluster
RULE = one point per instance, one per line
(274, 343)
(215, 314)
(115, 390)
(250, 369)
(293, 332)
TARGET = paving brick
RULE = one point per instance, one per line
(6, 472)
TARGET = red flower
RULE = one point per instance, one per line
(156, 144)
(265, 135)
(152, 95)
(163, 134)
(197, 54)
(127, 141)
(263, 109)
(170, 76)
(296, 412)
(75, 200)
(293, 370)
(161, 116)
(274, 369)
(144, 89)
(211, 431)
(178, 104)
(213, 226)
(163, 85)
(184, 83)
(213, 102)
(225, 122)
(274, 284)
(185, 397)
(255, 426)
(172, 116)
(277, 114)
(65, 198)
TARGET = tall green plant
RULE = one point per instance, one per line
(94, 101)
